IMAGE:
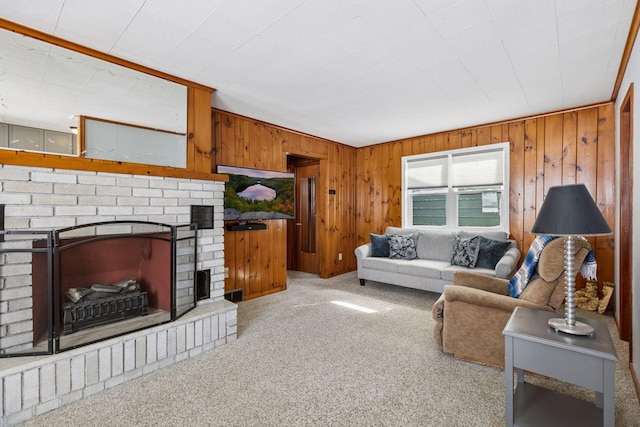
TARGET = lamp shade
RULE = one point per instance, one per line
(569, 210)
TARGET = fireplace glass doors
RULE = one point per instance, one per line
(71, 287)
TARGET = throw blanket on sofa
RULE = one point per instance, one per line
(519, 280)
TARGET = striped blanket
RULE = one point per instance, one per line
(520, 280)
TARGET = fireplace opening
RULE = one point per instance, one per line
(96, 281)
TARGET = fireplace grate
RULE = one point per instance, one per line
(82, 315)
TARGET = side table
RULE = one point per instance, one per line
(586, 361)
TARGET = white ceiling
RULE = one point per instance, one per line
(361, 71)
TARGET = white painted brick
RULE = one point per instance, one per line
(215, 330)
(47, 406)
(97, 179)
(177, 194)
(74, 189)
(13, 293)
(172, 341)
(195, 351)
(148, 210)
(206, 330)
(1, 397)
(54, 199)
(198, 333)
(161, 350)
(27, 187)
(201, 195)
(132, 201)
(163, 202)
(141, 350)
(81, 220)
(114, 381)
(28, 211)
(181, 338)
(15, 198)
(117, 359)
(132, 182)
(129, 355)
(114, 191)
(13, 393)
(77, 373)
(166, 362)
(91, 390)
(152, 348)
(115, 210)
(193, 186)
(63, 377)
(53, 177)
(133, 374)
(188, 201)
(20, 327)
(53, 222)
(71, 397)
(169, 184)
(19, 417)
(16, 223)
(147, 192)
(14, 174)
(75, 210)
(30, 388)
(97, 200)
(47, 382)
(222, 325)
(104, 363)
(146, 369)
(91, 368)
(190, 336)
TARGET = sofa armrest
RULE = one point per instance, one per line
(481, 298)
(506, 267)
(483, 282)
(363, 251)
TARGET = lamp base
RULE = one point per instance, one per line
(580, 328)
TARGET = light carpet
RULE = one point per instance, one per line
(304, 358)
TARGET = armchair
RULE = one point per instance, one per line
(472, 312)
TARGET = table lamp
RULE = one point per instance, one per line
(569, 210)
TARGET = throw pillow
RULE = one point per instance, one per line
(402, 247)
(491, 251)
(465, 251)
(379, 245)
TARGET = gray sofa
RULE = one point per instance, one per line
(432, 269)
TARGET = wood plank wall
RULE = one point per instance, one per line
(244, 142)
(575, 146)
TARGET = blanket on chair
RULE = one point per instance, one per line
(519, 280)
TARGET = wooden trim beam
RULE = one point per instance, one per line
(631, 39)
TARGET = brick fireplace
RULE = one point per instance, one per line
(45, 199)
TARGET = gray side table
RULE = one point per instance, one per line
(531, 345)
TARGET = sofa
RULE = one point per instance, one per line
(471, 314)
(431, 264)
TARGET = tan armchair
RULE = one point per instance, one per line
(472, 312)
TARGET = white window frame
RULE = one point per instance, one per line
(452, 193)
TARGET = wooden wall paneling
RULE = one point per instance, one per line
(279, 256)
(395, 184)
(516, 182)
(359, 194)
(530, 180)
(540, 165)
(199, 142)
(569, 147)
(553, 151)
(605, 195)
(483, 136)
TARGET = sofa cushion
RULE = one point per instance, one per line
(447, 273)
(436, 245)
(500, 236)
(383, 264)
(465, 251)
(491, 251)
(538, 291)
(402, 247)
(422, 268)
(379, 245)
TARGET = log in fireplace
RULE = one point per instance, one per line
(82, 284)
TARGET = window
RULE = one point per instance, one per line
(457, 189)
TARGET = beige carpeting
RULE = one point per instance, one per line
(302, 359)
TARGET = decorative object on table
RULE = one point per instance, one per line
(569, 210)
(607, 291)
(587, 297)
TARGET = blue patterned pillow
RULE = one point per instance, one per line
(402, 247)
(379, 245)
(465, 251)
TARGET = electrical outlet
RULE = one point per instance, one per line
(226, 272)
(340, 256)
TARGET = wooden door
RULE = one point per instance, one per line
(306, 252)
(626, 213)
